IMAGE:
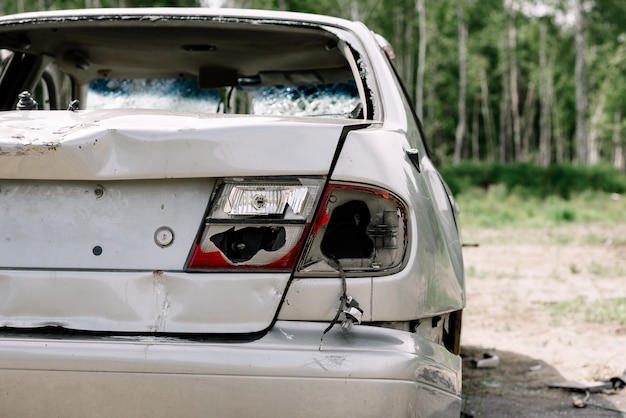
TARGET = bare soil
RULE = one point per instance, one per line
(526, 292)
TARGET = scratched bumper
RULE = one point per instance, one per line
(367, 372)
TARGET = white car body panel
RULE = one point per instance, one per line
(119, 217)
(140, 302)
(135, 377)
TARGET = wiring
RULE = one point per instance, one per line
(343, 301)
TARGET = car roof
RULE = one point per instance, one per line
(156, 12)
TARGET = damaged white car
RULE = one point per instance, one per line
(213, 212)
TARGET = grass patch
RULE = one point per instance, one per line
(602, 311)
(563, 180)
(607, 311)
(494, 207)
(525, 195)
(601, 270)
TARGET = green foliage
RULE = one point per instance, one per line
(161, 3)
(495, 207)
(602, 311)
(532, 180)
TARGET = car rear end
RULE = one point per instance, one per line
(177, 262)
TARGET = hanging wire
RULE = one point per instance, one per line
(343, 301)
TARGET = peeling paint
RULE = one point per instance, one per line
(331, 362)
(437, 376)
(165, 310)
(287, 336)
(162, 301)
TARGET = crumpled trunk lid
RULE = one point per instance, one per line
(85, 197)
(123, 145)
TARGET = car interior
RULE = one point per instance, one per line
(285, 69)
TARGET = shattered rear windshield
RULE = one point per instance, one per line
(339, 100)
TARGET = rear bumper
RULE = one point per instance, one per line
(367, 372)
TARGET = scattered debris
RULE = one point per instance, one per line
(488, 361)
(589, 387)
(578, 403)
(607, 386)
(618, 382)
(614, 383)
(582, 403)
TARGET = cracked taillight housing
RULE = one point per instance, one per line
(362, 227)
(256, 223)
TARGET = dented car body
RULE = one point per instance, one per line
(219, 212)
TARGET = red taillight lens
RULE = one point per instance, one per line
(363, 227)
(256, 224)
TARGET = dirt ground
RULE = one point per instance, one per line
(526, 293)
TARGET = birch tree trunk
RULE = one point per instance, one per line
(430, 123)
(460, 127)
(530, 111)
(545, 101)
(618, 142)
(403, 42)
(475, 129)
(511, 49)
(594, 130)
(398, 40)
(354, 10)
(487, 117)
(559, 154)
(581, 87)
(505, 110)
(409, 71)
(421, 59)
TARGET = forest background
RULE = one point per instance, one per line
(541, 82)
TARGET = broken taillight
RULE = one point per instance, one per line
(364, 228)
(256, 224)
(262, 224)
